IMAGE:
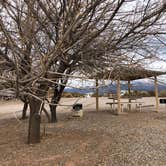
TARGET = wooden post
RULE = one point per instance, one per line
(129, 91)
(118, 96)
(156, 93)
(97, 95)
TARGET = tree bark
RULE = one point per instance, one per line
(53, 113)
(24, 111)
(58, 90)
(47, 115)
(34, 121)
(54, 101)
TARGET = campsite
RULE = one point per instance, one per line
(68, 76)
(98, 138)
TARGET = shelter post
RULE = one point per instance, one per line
(97, 94)
(129, 91)
(118, 96)
(156, 93)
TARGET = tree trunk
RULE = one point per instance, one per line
(58, 90)
(47, 114)
(24, 111)
(55, 100)
(53, 113)
(34, 121)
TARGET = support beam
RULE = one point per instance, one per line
(97, 95)
(129, 91)
(118, 96)
(156, 93)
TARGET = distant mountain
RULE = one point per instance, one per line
(147, 86)
(136, 85)
(81, 91)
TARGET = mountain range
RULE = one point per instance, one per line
(111, 88)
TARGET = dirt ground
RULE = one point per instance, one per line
(96, 139)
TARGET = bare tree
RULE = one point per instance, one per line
(47, 40)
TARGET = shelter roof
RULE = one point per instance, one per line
(128, 73)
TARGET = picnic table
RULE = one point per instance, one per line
(128, 103)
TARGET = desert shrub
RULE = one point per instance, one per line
(162, 93)
(94, 95)
(139, 94)
(70, 95)
(151, 93)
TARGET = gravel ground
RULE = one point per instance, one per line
(97, 139)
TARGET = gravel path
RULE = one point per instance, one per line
(97, 139)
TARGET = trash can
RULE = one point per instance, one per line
(162, 101)
(77, 110)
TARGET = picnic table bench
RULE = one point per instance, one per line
(138, 105)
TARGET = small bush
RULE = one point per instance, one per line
(70, 95)
(162, 93)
